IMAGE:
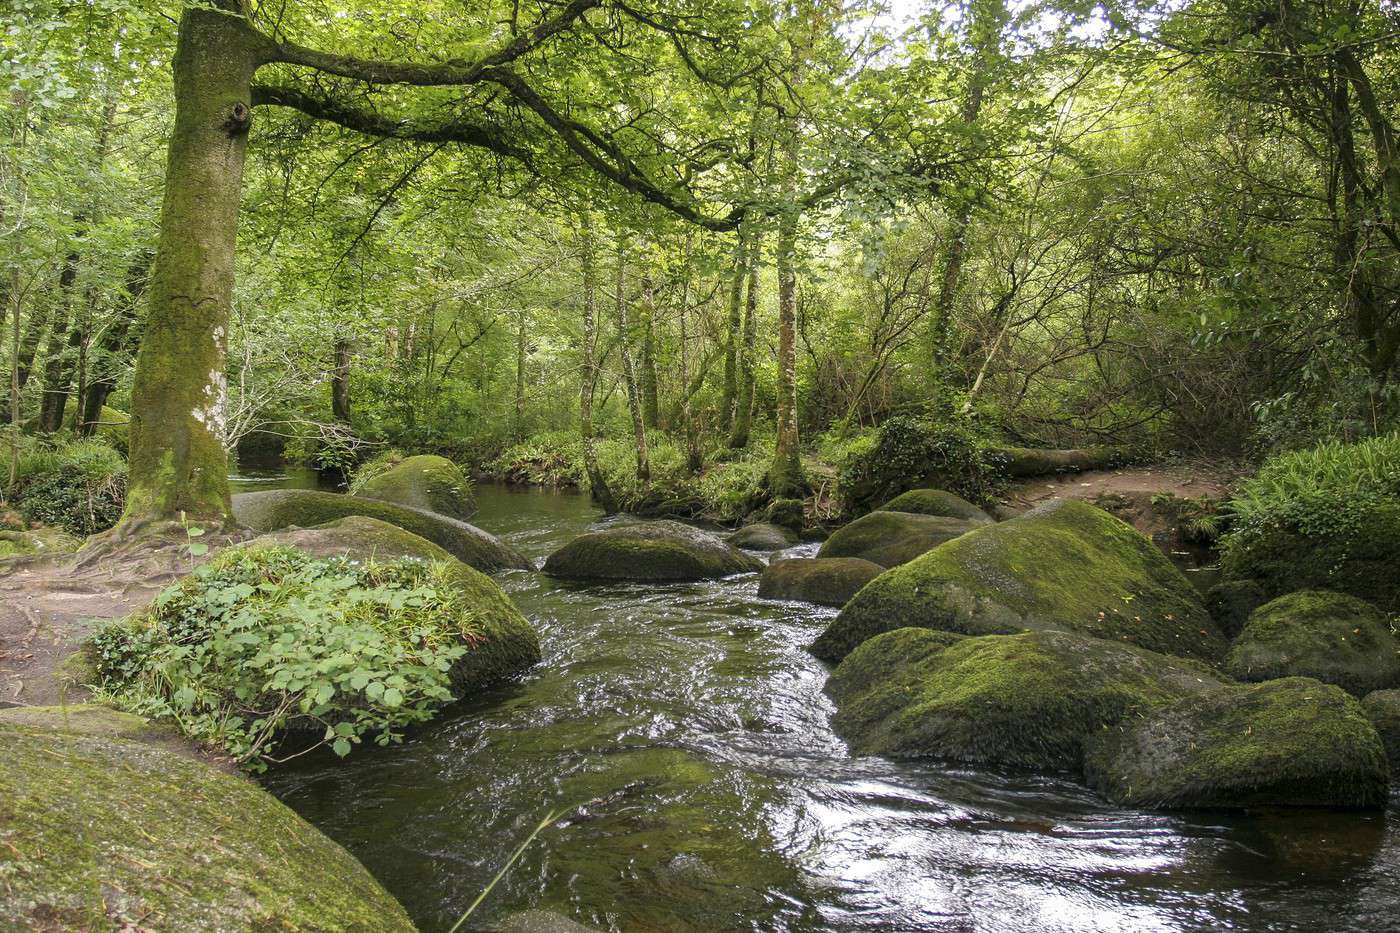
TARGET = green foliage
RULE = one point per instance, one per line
(552, 458)
(908, 452)
(379, 464)
(79, 486)
(259, 642)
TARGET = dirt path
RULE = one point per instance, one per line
(1186, 480)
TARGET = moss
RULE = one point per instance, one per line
(1335, 638)
(763, 537)
(306, 508)
(786, 513)
(40, 542)
(101, 832)
(113, 426)
(357, 536)
(1065, 565)
(1230, 603)
(1029, 700)
(1029, 461)
(1291, 742)
(893, 538)
(649, 551)
(82, 719)
(826, 581)
(423, 482)
(1382, 707)
(936, 502)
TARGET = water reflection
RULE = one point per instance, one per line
(686, 727)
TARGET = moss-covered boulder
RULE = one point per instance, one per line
(1335, 638)
(1382, 707)
(1231, 602)
(423, 482)
(358, 537)
(936, 502)
(657, 551)
(763, 536)
(1029, 700)
(786, 513)
(1291, 742)
(1064, 565)
(101, 832)
(305, 508)
(893, 538)
(37, 542)
(826, 581)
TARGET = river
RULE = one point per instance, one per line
(684, 730)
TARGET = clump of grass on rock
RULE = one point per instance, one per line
(425, 481)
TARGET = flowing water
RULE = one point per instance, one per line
(685, 730)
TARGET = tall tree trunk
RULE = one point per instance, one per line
(178, 462)
(629, 372)
(29, 347)
(748, 373)
(729, 397)
(597, 484)
(112, 349)
(59, 350)
(340, 382)
(648, 381)
(785, 479)
(695, 459)
(520, 374)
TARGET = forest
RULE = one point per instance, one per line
(693, 465)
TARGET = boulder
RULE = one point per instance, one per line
(786, 513)
(1332, 637)
(1291, 742)
(277, 509)
(1021, 462)
(826, 581)
(1382, 707)
(105, 832)
(657, 551)
(1230, 603)
(936, 502)
(1029, 700)
(893, 538)
(1064, 565)
(423, 482)
(763, 537)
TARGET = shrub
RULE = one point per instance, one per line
(1328, 517)
(78, 486)
(552, 459)
(910, 452)
(260, 641)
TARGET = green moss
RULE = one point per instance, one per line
(1382, 707)
(1335, 638)
(893, 538)
(826, 581)
(763, 537)
(649, 551)
(423, 482)
(113, 426)
(786, 513)
(1065, 565)
(39, 542)
(935, 502)
(1231, 602)
(1029, 700)
(306, 508)
(101, 832)
(1291, 742)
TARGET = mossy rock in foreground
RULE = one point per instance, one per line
(1028, 700)
(39, 542)
(936, 502)
(658, 551)
(508, 643)
(1064, 566)
(423, 482)
(1382, 707)
(306, 508)
(1335, 638)
(1291, 742)
(893, 538)
(826, 581)
(103, 832)
(763, 536)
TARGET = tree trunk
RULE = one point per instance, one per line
(597, 485)
(785, 479)
(520, 375)
(629, 372)
(29, 347)
(695, 459)
(729, 398)
(58, 350)
(649, 383)
(743, 401)
(340, 382)
(109, 361)
(178, 464)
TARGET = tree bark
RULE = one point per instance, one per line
(597, 484)
(340, 382)
(629, 371)
(695, 459)
(520, 374)
(743, 400)
(649, 383)
(729, 397)
(178, 464)
(59, 350)
(785, 479)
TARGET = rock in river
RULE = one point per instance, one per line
(826, 581)
(423, 482)
(657, 551)
(763, 536)
(936, 502)
(893, 538)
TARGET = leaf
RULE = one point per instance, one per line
(392, 697)
(341, 747)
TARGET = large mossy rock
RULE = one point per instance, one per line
(104, 832)
(1065, 565)
(1382, 707)
(658, 551)
(1291, 742)
(893, 538)
(1030, 700)
(763, 536)
(423, 482)
(508, 644)
(936, 502)
(306, 508)
(1332, 637)
(826, 581)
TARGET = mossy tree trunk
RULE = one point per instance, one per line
(730, 395)
(340, 381)
(785, 479)
(649, 383)
(743, 401)
(178, 461)
(695, 456)
(59, 348)
(597, 484)
(629, 371)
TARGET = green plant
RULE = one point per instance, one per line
(908, 451)
(380, 463)
(260, 643)
(79, 486)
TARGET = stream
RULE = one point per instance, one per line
(684, 730)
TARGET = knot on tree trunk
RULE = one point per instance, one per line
(240, 116)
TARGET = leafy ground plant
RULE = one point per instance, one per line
(263, 644)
